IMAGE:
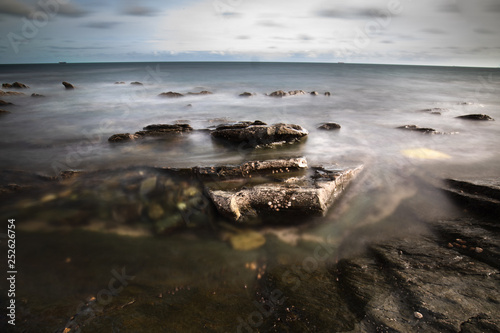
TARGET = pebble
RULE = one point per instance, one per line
(479, 250)
(418, 315)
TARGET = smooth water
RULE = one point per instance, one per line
(69, 129)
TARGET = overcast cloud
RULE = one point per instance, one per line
(427, 32)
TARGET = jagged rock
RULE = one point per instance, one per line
(327, 93)
(246, 94)
(2, 102)
(310, 195)
(476, 117)
(314, 93)
(204, 92)
(171, 94)
(329, 126)
(68, 85)
(15, 85)
(122, 137)
(257, 134)
(11, 93)
(37, 95)
(136, 83)
(296, 92)
(278, 93)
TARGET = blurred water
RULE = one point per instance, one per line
(69, 129)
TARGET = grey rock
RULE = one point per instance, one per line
(476, 117)
(2, 102)
(255, 134)
(327, 93)
(137, 83)
(416, 128)
(246, 94)
(171, 94)
(121, 137)
(278, 93)
(314, 93)
(37, 95)
(296, 92)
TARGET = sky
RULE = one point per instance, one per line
(420, 32)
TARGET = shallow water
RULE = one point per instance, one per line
(74, 234)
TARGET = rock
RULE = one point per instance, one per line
(329, 126)
(418, 315)
(122, 137)
(37, 95)
(311, 195)
(68, 85)
(314, 93)
(171, 94)
(204, 92)
(4, 111)
(296, 92)
(476, 117)
(278, 93)
(327, 93)
(15, 85)
(11, 93)
(163, 129)
(136, 83)
(2, 102)
(419, 129)
(119, 82)
(254, 134)
(247, 94)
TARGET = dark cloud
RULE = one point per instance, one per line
(434, 31)
(100, 25)
(15, 8)
(483, 31)
(138, 11)
(350, 13)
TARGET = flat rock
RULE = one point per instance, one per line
(121, 137)
(311, 194)
(2, 102)
(136, 83)
(424, 130)
(37, 95)
(329, 126)
(68, 85)
(11, 93)
(171, 94)
(154, 130)
(475, 117)
(204, 92)
(479, 196)
(255, 134)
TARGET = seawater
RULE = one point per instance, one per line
(68, 129)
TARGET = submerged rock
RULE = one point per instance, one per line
(37, 95)
(119, 82)
(136, 83)
(2, 102)
(204, 92)
(296, 92)
(476, 117)
(258, 134)
(327, 93)
(11, 93)
(4, 111)
(295, 197)
(314, 93)
(68, 85)
(329, 126)
(171, 94)
(416, 128)
(122, 137)
(246, 94)
(152, 130)
(278, 93)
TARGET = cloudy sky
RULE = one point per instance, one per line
(425, 32)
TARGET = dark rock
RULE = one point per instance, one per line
(6, 85)
(11, 93)
(136, 83)
(310, 195)
(246, 94)
(329, 126)
(481, 197)
(122, 137)
(4, 111)
(418, 129)
(296, 92)
(37, 95)
(254, 134)
(171, 94)
(278, 93)
(204, 92)
(68, 85)
(2, 102)
(476, 117)
(327, 93)
(15, 85)
(314, 93)
(119, 82)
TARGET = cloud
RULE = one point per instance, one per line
(100, 25)
(138, 11)
(350, 13)
(15, 8)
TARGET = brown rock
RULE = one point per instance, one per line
(329, 126)
(278, 93)
(2, 102)
(171, 94)
(68, 85)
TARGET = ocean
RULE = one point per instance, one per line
(93, 252)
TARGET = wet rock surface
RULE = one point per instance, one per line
(246, 94)
(171, 94)
(11, 93)
(155, 130)
(256, 134)
(329, 126)
(424, 130)
(2, 102)
(18, 85)
(68, 85)
(482, 117)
